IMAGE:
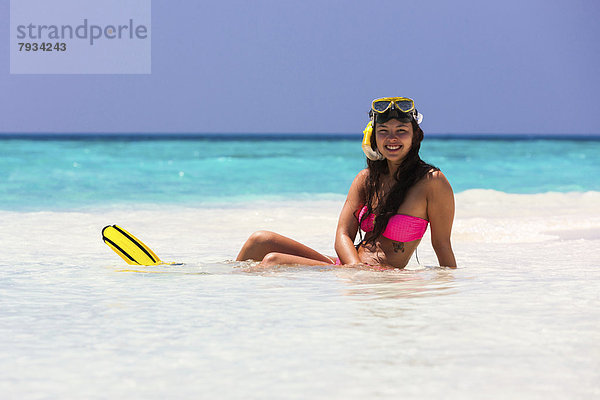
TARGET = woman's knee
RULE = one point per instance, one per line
(271, 259)
(257, 246)
(259, 237)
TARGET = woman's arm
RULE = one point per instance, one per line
(348, 224)
(440, 210)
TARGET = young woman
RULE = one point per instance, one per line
(393, 201)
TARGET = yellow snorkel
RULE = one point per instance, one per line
(366, 144)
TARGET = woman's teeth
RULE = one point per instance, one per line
(392, 147)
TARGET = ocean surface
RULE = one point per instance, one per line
(68, 174)
(518, 319)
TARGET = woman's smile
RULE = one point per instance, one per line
(393, 147)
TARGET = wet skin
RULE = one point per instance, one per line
(394, 140)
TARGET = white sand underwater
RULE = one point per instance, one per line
(519, 318)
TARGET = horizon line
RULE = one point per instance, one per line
(279, 136)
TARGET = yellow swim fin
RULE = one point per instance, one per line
(128, 247)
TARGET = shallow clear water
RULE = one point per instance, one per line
(517, 319)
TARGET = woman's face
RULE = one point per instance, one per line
(394, 139)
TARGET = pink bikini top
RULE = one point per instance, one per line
(400, 228)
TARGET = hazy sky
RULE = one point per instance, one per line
(511, 66)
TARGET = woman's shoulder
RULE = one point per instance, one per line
(359, 183)
(363, 173)
(435, 174)
(357, 192)
(436, 181)
(362, 176)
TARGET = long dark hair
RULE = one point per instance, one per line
(411, 171)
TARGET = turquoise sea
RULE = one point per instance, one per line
(74, 172)
(518, 318)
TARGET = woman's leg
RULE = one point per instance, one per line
(272, 259)
(263, 243)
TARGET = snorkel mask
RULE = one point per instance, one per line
(400, 106)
